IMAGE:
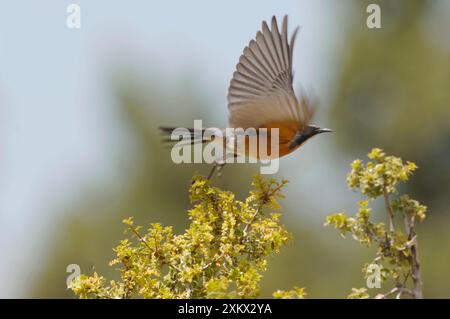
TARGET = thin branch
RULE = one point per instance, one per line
(139, 237)
(213, 261)
(403, 290)
(389, 209)
(258, 209)
(414, 258)
(247, 226)
(398, 290)
(252, 219)
(390, 292)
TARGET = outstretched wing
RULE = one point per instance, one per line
(261, 90)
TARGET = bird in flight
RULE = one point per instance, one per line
(261, 96)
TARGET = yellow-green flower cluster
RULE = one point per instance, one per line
(396, 253)
(222, 254)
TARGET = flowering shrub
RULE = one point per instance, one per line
(222, 254)
(397, 248)
(224, 251)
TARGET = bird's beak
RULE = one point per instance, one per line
(324, 130)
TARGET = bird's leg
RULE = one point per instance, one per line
(219, 163)
(218, 166)
(219, 169)
(212, 171)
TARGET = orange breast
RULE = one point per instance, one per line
(286, 132)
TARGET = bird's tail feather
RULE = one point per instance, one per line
(196, 137)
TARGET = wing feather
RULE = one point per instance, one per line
(261, 88)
